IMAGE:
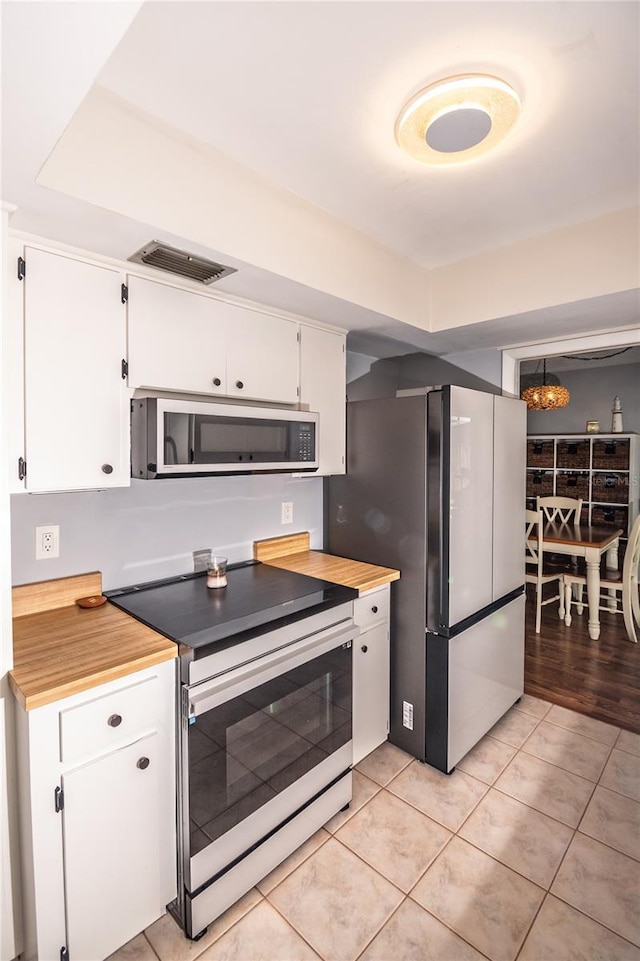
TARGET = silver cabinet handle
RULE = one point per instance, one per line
(115, 720)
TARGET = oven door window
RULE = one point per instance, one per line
(247, 750)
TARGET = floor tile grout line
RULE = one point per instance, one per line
(529, 929)
(294, 929)
(606, 844)
(598, 921)
(299, 865)
(446, 923)
(618, 793)
(565, 769)
(629, 753)
(532, 808)
(377, 870)
(144, 933)
(372, 939)
(587, 737)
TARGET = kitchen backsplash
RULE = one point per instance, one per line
(151, 529)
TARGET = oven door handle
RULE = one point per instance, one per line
(237, 682)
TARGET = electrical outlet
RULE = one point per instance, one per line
(287, 512)
(47, 542)
(201, 560)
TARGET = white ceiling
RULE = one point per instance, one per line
(305, 94)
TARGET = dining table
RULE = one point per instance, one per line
(583, 540)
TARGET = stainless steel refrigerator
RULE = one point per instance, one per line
(435, 486)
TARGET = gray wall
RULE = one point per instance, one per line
(592, 391)
(485, 363)
(150, 530)
(387, 376)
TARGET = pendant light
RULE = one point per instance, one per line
(545, 396)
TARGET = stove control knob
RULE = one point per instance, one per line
(143, 763)
(114, 720)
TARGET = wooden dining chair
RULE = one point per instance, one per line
(627, 585)
(535, 571)
(561, 510)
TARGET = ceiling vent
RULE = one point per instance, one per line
(163, 257)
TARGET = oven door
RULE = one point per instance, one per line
(259, 743)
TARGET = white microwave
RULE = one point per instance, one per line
(183, 438)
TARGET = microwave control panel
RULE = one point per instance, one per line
(303, 447)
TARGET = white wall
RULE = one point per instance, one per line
(150, 530)
(124, 161)
(592, 391)
(592, 259)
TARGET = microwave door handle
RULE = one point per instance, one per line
(170, 445)
(192, 438)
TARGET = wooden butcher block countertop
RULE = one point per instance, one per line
(61, 649)
(292, 553)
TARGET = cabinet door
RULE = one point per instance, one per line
(323, 388)
(76, 402)
(262, 357)
(113, 849)
(176, 339)
(370, 690)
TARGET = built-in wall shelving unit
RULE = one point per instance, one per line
(602, 469)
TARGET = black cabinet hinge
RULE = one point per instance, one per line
(22, 268)
(58, 795)
(64, 953)
(22, 468)
(124, 293)
(124, 369)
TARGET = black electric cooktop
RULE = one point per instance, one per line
(184, 609)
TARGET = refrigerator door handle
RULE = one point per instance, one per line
(438, 414)
(480, 615)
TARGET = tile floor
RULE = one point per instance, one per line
(529, 850)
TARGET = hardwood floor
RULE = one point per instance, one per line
(598, 678)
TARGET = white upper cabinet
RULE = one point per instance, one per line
(262, 357)
(176, 339)
(185, 341)
(76, 400)
(323, 388)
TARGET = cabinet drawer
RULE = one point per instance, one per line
(107, 722)
(371, 608)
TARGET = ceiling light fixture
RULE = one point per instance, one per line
(545, 396)
(458, 119)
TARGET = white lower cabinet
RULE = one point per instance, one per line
(371, 672)
(98, 830)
